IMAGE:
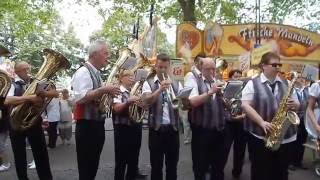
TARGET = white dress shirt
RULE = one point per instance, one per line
(314, 90)
(118, 98)
(12, 88)
(147, 89)
(190, 80)
(52, 112)
(82, 83)
(248, 94)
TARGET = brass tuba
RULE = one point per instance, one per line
(135, 112)
(5, 84)
(105, 105)
(282, 120)
(26, 115)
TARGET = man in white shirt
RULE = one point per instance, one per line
(163, 120)
(88, 90)
(207, 123)
(260, 100)
(190, 77)
(52, 115)
(34, 134)
(314, 99)
(302, 92)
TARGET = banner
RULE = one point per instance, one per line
(291, 43)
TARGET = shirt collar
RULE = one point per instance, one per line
(95, 70)
(196, 69)
(123, 89)
(156, 78)
(203, 78)
(264, 79)
(17, 78)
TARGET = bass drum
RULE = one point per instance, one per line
(308, 123)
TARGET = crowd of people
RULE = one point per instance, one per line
(205, 115)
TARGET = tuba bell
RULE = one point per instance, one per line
(5, 84)
(25, 115)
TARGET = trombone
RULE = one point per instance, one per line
(171, 95)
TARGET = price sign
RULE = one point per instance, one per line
(177, 69)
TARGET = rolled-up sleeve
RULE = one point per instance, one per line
(315, 90)
(81, 83)
(248, 92)
(11, 91)
(191, 82)
(146, 88)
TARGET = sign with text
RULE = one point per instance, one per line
(177, 69)
(233, 40)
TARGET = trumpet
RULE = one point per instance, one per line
(171, 95)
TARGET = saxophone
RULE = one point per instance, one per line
(25, 115)
(282, 120)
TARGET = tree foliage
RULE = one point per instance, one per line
(29, 26)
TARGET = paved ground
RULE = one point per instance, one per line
(64, 167)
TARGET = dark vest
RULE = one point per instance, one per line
(19, 89)
(209, 115)
(266, 105)
(303, 102)
(90, 110)
(156, 109)
(122, 117)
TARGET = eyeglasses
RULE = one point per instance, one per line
(275, 64)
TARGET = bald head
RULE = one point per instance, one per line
(208, 68)
(22, 69)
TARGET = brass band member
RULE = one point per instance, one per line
(127, 132)
(207, 123)
(88, 89)
(163, 121)
(302, 92)
(34, 134)
(260, 99)
(236, 134)
(313, 102)
(194, 74)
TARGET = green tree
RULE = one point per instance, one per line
(28, 26)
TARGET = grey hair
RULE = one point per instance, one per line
(97, 46)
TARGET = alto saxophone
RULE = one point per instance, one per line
(282, 120)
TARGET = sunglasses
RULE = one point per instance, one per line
(275, 64)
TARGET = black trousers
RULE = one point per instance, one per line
(267, 164)
(52, 133)
(208, 149)
(127, 143)
(236, 134)
(90, 137)
(37, 142)
(298, 150)
(164, 145)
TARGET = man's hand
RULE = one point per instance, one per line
(215, 88)
(165, 84)
(35, 100)
(111, 89)
(133, 99)
(292, 105)
(266, 126)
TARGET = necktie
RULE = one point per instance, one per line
(210, 82)
(299, 94)
(273, 86)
